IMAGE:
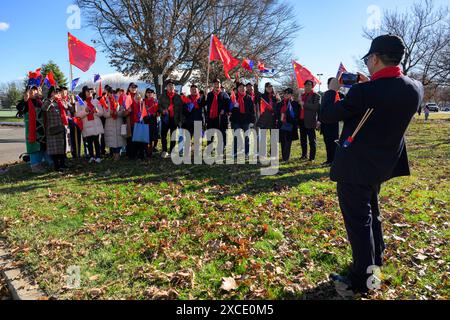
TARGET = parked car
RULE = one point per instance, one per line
(446, 109)
(433, 107)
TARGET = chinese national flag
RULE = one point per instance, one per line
(218, 52)
(81, 55)
(302, 74)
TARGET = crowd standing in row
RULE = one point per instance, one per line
(97, 123)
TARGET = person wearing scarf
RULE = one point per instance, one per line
(242, 116)
(74, 133)
(309, 112)
(150, 117)
(217, 112)
(288, 123)
(330, 131)
(193, 110)
(170, 107)
(113, 113)
(90, 112)
(133, 101)
(35, 139)
(382, 108)
(55, 127)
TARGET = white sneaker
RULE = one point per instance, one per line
(91, 160)
(98, 160)
(164, 155)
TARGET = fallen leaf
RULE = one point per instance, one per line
(228, 284)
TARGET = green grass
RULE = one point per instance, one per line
(165, 231)
(9, 116)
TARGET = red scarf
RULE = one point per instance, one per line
(151, 106)
(91, 109)
(32, 135)
(241, 102)
(388, 72)
(113, 106)
(284, 109)
(305, 98)
(194, 100)
(271, 100)
(62, 113)
(171, 106)
(214, 113)
(134, 110)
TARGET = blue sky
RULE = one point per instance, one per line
(332, 32)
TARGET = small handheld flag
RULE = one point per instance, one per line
(80, 101)
(248, 64)
(97, 78)
(74, 84)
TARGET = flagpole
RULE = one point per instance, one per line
(209, 65)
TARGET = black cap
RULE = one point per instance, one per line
(268, 84)
(133, 85)
(149, 90)
(216, 81)
(249, 84)
(289, 91)
(169, 81)
(309, 81)
(194, 86)
(238, 84)
(86, 88)
(387, 44)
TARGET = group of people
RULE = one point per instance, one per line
(96, 123)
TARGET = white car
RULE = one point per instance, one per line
(433, 107)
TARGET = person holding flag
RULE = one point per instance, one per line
(217, 111)
(242, 117)
(89, 110)
(150, 116)
(193, 110)
(309, 112)
(55, 127)
(170, 108)
(113, 114)
(288, 123)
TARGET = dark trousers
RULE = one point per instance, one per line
(359, 206)
(244, 127)
(286, 143)
(93, 142)
(59, 161)
(75, 140)
(305, 136)
(330, 144)
(168, 128)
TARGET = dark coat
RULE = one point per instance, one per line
(164, 103)
(329, 130)
(224, 105)
(312, 108)
(378, 152)
(292, 120)
(267, 120)
(244, 118)
(190, 117)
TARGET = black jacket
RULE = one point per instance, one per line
(248, 117)
(378, 152)
(267, 119)
(224, 105)
(329, 129)
(194, 115)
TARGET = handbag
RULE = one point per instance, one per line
(289, 127)
(141, 133)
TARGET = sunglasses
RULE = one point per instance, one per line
(366, 59)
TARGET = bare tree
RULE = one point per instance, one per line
(158, 37)
(425, 30)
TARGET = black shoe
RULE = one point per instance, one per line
(304, 158)
(345, 288)
(327, 164)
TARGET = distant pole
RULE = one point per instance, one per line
(209, 65)
(320, 77)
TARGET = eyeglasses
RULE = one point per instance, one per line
(366, 59)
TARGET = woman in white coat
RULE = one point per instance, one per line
(113, 113)
(90, 112)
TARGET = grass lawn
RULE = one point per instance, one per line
(165, 231)
(9, 116)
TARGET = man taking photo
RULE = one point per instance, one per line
(376, 115)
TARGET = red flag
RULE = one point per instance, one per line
(302, 74)
(51, 78)
(218, 52)
(265, 106)
(34, 75)
(81, 55)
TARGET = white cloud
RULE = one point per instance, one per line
(4, 26)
